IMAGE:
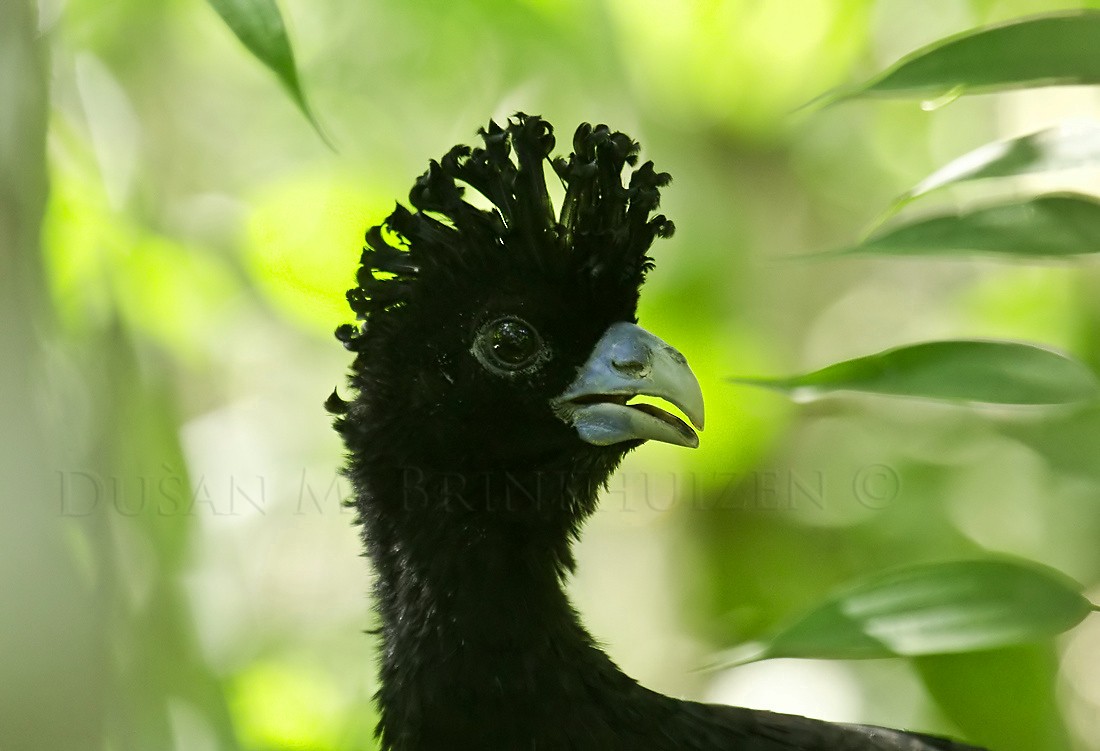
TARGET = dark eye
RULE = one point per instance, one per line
(508, 344)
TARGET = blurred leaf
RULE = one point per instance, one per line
(1048, 50)
(973, 371)
(132, 501)
(81, 236)
(1067, 146)
(1053, 225)
(1030, 303)
(178, 294)
(934, 608)
(1003, 699)
(304, 236)
(259, 25)
(283, 705)
(102, 264)
(1069, 443)
(693, 58)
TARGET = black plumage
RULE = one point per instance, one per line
(495, 354)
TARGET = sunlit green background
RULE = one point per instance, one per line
(178, 572)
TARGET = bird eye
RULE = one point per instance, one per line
(508, 344)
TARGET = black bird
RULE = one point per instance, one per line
(497, 351)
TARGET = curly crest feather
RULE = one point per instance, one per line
(603, 232)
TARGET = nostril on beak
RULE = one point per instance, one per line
(632, 367)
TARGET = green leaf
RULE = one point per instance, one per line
(973, 371)
(1047, 50)
(932, 608)
(1050, 226)
(1070, 145)
(259, 25)
(1005, 699)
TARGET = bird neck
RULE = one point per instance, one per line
(474, 556)
(475, 621)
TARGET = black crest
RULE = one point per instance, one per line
(603, 232)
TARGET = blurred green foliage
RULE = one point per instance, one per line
(173, 523)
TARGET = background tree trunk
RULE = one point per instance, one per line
(50, 657)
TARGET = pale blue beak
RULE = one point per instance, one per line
(629, 361)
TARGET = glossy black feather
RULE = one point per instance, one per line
(468, 487)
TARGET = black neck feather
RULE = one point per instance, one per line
(480, 642)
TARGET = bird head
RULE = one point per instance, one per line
(506, 338)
